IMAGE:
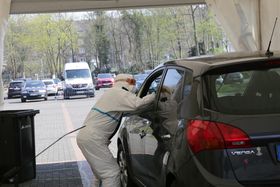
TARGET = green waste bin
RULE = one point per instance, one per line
(17, 144)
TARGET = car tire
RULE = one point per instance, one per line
(125, 178)
(23, 100)
(46, 98)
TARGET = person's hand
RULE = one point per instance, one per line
(152, 96)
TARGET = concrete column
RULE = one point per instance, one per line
(4, 15)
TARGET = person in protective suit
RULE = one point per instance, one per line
(102, 122)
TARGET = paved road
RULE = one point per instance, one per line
(57, 117)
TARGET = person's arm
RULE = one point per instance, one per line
(131, 102)
(142, 102)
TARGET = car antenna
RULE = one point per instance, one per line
(268, 53)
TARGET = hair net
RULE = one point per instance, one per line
(125, 80)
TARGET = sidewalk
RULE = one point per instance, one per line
(56, 174)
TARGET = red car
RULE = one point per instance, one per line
(104, 80)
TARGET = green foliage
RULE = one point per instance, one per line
(125, 40)
(46, 39)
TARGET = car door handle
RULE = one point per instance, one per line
(166, 136)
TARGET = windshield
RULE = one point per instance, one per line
(34, 84)
(244, 91)
(77, 73)
(48, 82)
(105, 75)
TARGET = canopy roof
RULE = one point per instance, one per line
(41, 6)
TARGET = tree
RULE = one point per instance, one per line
(16, 47)
(123, 41)
(53, 38)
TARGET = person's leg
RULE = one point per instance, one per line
(100, 158)
(95, 181)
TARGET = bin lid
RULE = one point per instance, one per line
(18, 113)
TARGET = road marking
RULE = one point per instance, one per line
(69, 127)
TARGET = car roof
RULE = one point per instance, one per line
(17, 81)
(199, 65)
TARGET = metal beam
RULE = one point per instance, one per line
(47, 6)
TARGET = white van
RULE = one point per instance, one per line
(77, 80)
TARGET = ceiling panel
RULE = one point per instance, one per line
(43, 6)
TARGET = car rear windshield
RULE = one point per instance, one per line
(16, 84)
(34, 84)
(244, 89)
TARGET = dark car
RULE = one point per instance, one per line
(34, 89)
(233, 77)
(14, 89)
(104, 80)
(200, 132)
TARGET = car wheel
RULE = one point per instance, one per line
(46, 98)
(126, 181)
(23, 100)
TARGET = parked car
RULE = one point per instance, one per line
(34, 89)
(77, 80)
(52, 87)
(58, 84)
(200, 133)
(14, 89)
(104, 80)
(233, 77)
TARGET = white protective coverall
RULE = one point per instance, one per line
(101, 122)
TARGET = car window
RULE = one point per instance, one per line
(254, 91)
(170, 96)
(34, 84)
(172, 85)
(77, 73)
(152, 84)
(16, 84)
(48, 82)
(56, 81)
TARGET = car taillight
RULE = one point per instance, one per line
(206, 135)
